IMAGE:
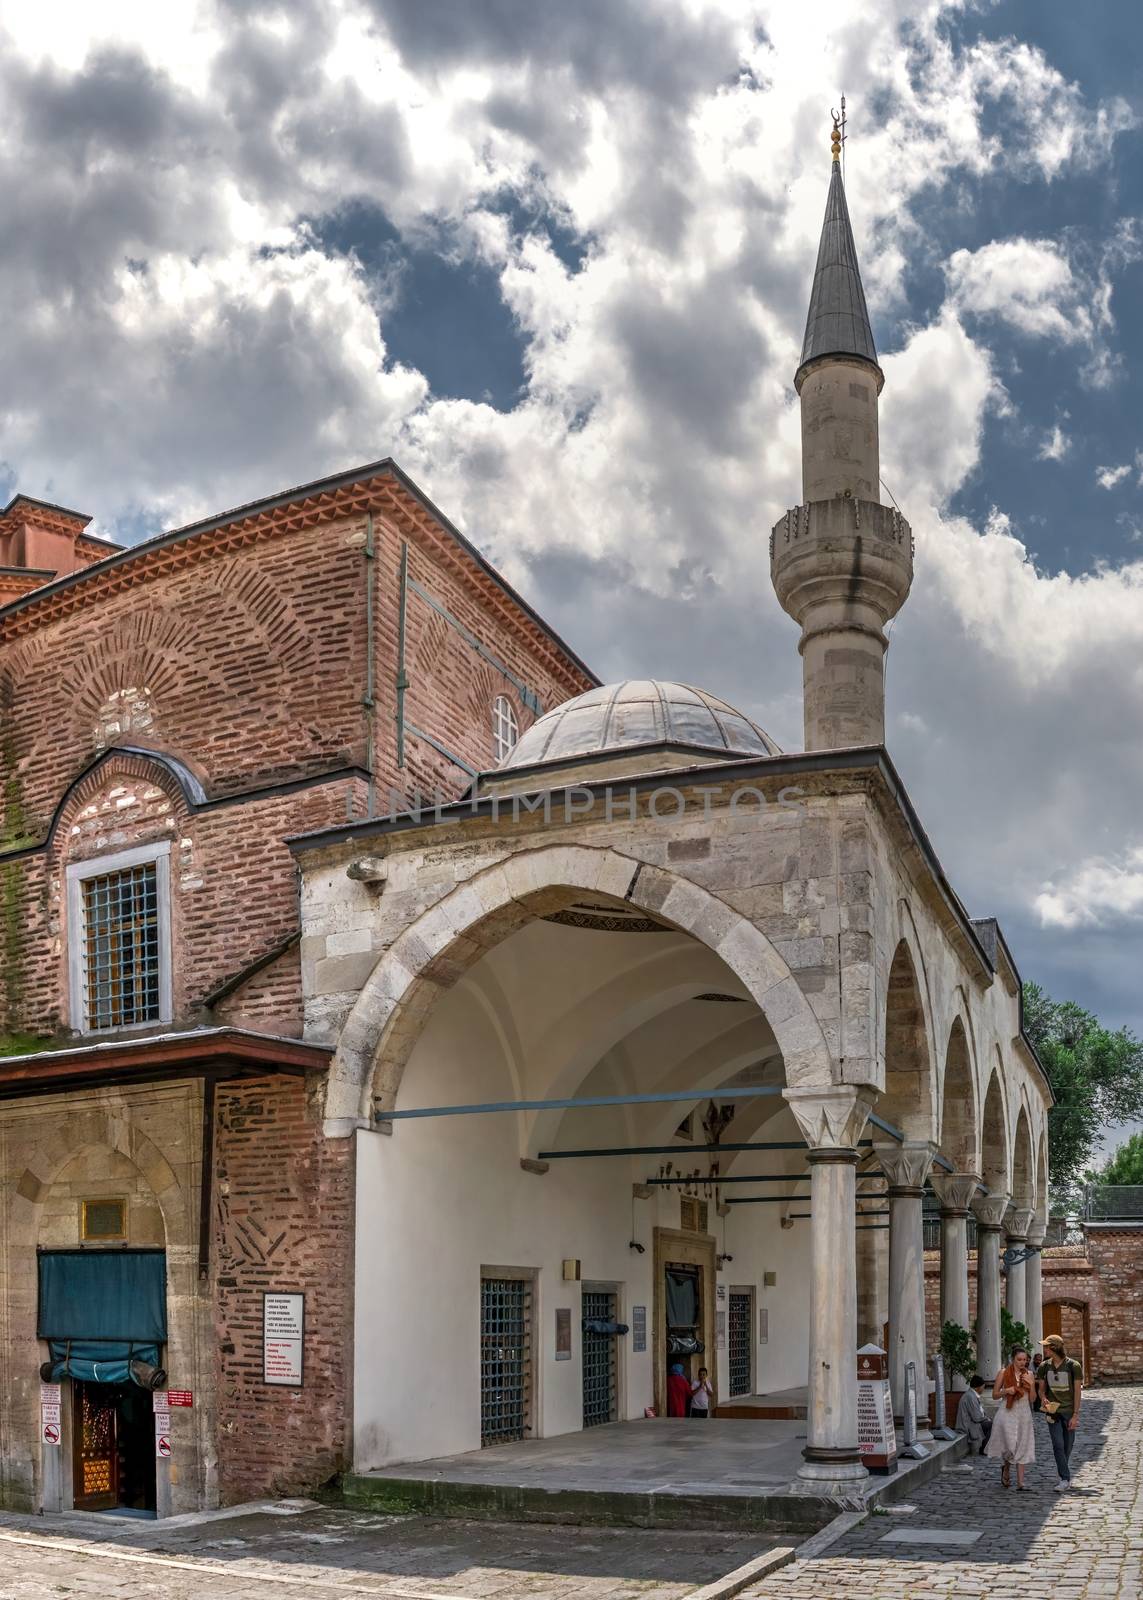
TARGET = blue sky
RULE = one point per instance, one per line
(555, 259)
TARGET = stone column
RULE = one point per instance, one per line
(955, 1190)
(872, 1272)
(907, 1166)
(1017, 1221)
(989, 1212)
(831, 1121)
(1033, 1284)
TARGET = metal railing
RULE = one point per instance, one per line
(1113, 1202)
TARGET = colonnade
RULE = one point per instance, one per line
(846, 1304)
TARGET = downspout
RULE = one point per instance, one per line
(367, 702)
(402, 676)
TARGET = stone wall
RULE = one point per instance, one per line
(1107, 1281)
(282, 1221)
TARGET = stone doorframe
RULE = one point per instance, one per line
(439, 946)
(688, 1250)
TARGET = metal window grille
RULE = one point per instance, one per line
(692, 1214)
(600, 1364)
(738, 1343)
(121, 947)
(505, 728)
(505, 1358)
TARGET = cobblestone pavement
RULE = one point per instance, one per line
(1083, 1545)
(321, 1554)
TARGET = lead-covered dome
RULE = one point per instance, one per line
(636, 713)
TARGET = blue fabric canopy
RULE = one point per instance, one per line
(96, 1296)
(98, 1360)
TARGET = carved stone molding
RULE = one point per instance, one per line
(830, 1119)
(1017, 1221)
(906, 1165)
(1036, 1235)
(989, 1209)
(955, 1190)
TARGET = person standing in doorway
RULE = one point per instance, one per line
(702, 1395)
(1061, 1392)
(1013, 1437)
(678, 1391)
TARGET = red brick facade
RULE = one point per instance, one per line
(282, 1220)
(1098, 1289)
(221, 690)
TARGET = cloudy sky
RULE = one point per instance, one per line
(554, 256)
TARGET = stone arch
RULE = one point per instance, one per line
(1023, 1189)
(434, 951)
(1042, 1196)
(959, 1135)
(180, 785)
(909, 1088)
(994, 1158)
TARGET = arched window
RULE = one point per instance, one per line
(505, 728)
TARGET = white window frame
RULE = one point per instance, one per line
(77, 874)
(504, 714)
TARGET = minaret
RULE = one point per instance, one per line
(841, 562)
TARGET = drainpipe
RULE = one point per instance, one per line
(402, 676)
(367, 701)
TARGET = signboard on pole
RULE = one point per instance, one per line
(876, 1438)
(283, 1338)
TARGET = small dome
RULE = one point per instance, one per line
(639, 712)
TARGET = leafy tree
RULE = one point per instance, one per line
(1126, 1164)
(1096, 1076)
(957, 1349)
(1013, 1333)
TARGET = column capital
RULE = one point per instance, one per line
(955, 1190)
(906, 1165)
(1017, 1221)
(989, 1209)
(831, 1118)
(1037, 1233)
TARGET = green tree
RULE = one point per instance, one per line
(1096, 1076)
(1126, 1163)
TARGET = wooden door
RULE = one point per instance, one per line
(1053, 1319)
(95, 1446)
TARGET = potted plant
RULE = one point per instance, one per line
(959, 1356)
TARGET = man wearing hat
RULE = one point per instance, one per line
(1060, 1380)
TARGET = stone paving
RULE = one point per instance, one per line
(322, 1554)
(1083, 1545)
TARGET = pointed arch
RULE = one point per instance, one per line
(909, 1098)
(959, 1136)
(436, 949)
(1023, 1188)
(994, 1159)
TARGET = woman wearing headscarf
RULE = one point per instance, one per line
(1013, 1438)
(678, 1391)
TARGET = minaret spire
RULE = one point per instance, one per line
(841, 562)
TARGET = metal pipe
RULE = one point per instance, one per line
(576, 1104)
(402, 676)
(886, 1127)
(673, 1149)
(772, 1177)
(368, 702)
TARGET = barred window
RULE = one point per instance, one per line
(119, 940)
(505, 728)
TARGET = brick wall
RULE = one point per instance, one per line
(282, 1221)
(1107, 1281)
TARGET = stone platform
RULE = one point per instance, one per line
(726, 1473)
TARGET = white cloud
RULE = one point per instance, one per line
(1108, 477)
(1028, 283)
(1056, 444)
(1095, 893)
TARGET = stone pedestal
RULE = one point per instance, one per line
(831, 1121)
(989, 1212)
(956, 1191)
(907, 1166)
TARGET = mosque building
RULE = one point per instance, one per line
(665, 1031)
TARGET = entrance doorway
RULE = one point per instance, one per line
(1071, 1320)
(740, 1341)
(600, 1357)
(113, 1441)
(684, 1307)
(505, 1356)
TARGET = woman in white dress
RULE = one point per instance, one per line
(1013, 1436)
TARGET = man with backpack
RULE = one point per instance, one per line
(1060, 1380)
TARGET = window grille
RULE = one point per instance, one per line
(121, 947)
(740, 1323)
(600, 1385)
(505, 728)
(692, 1214)
(505, 1359)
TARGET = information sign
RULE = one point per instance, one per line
(638, 1329)
(283, 1338)
(50, 1413)
(876, 1438)
(563, 1333)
